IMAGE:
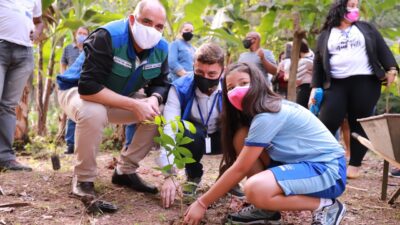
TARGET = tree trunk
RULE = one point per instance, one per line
(22, 110)
(62, 124)
(298, 35)
(49, 82)
(39, 94)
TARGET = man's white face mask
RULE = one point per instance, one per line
(145, 37)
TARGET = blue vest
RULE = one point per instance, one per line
(185, 89)
(126, 77)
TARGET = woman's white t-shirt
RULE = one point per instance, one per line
(348, 55)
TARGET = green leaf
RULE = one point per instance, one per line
(178, 137)
(166, 139)
(163, 120)
(46, 4)
(160, 130)
(181, 127)
(167, 168)
(173, 126)
(179, 164)
(188, 160)
(184, 151)
(158, 140)
(185, 140)
(157, 120)
(190, 126)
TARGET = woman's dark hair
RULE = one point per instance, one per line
(259, 99)
(335, 15)
(288, 50)
(304, 47)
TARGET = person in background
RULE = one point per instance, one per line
(304, 74)
(20, 25)
(262, 58)
(69, 55)
(181, 53)
(351, 61)
(279, 84)
(197, 99)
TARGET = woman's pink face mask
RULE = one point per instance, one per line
(352, 15)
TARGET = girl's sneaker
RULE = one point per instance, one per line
(395, 173)
(252, 215)
(329, 215)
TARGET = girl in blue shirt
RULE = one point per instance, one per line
(291, 160)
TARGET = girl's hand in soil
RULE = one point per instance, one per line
(168, 193)
(194, 213)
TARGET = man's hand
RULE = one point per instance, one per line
(145, 109)
(168, 193)
(260, 54)
(34, 36)
(153, 101)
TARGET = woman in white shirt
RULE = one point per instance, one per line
(350, 63)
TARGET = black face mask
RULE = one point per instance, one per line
(187, 36)
(205, 84)
(246, 43)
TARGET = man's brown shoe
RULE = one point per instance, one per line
(134, 182)
(82, 189)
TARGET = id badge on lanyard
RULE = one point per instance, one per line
(205, 123)
(208, 144)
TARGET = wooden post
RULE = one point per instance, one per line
(384, 180)
(298, 36)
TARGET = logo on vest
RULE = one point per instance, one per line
(152, 66)
(122, 62)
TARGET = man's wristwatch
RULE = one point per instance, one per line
(159, 98)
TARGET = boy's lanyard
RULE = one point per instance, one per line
(205, 124)
(207, 138)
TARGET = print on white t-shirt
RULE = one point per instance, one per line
(348, 53)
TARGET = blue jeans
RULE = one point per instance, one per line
(70, 132)
(129, 132)
(16, 65)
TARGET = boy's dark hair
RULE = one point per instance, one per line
(210, 53)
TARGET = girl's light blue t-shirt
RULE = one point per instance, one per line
(293, 135)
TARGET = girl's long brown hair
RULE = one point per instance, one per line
(260, 98)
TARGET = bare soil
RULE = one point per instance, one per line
(47, 193)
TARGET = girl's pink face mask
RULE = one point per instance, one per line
(236, 96)
(352, 15)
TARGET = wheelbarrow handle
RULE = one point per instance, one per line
(355, 135)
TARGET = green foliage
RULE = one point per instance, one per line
(174, 145)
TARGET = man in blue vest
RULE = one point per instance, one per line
(119, 59)
(196, 98)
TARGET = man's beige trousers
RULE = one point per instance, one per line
(91, 118)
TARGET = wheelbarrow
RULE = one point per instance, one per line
(383, 132)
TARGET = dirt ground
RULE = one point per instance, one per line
(49, 201)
